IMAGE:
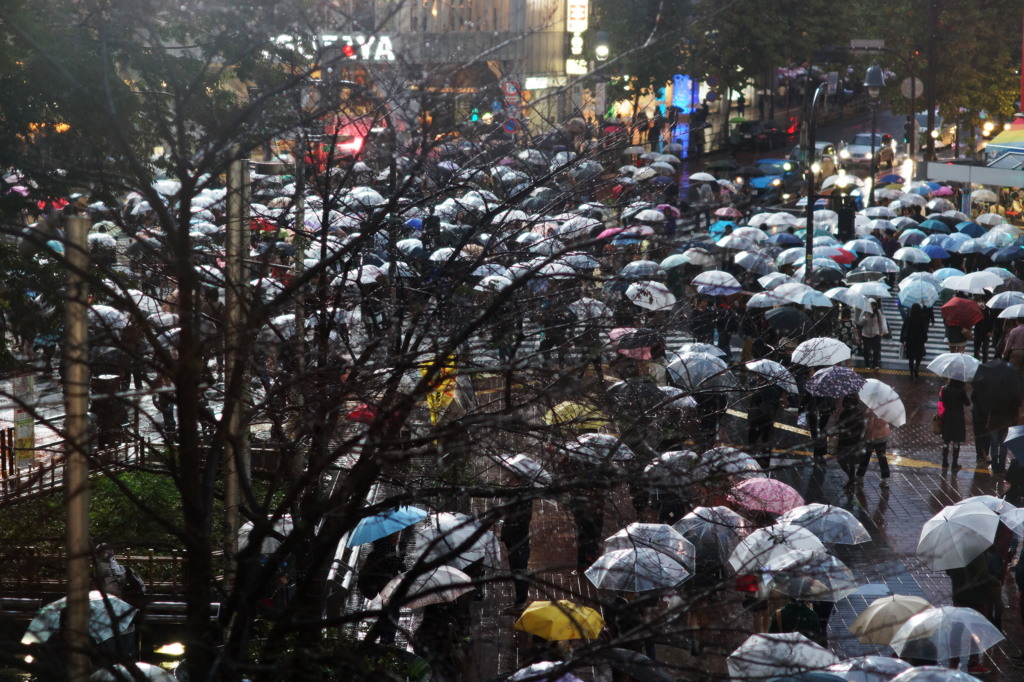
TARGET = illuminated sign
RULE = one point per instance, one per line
(576, 67)
(353, 46)
(577, 15)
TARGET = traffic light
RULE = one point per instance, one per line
(474, 114)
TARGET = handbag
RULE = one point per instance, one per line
(968, 333)
(936, 424)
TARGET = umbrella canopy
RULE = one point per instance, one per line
(385, 523)
(675, 468)
(598, 448)
(763, 656)
(934, 673)
(561, 620)
(884, 616)
(849, 298)
(1005, 299)
(108, 616)
(590, 310)
(835, 382)
(544, 671)
(871, 289)
(944, 632)
(576, 416)
(956, 535)
(700, 371)
(911, 254)
(457, 540)
(650, 295)
(960, 366)
(972, 283)
(833, 525)
(660, 537)
(132, 672)
(437, 586)
(714, 532)
(811, 574)
(821, 351)
(723, 461)
(869, 668)
(884, 401)
(765, 495)
(525, 468)
(789, 321)
(918, 291)
(639, 569)
(774, 373)
(716, 283)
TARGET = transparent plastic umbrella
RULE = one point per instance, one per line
(821, 351)
(544, 671)
(849, 298)
(657, 536)
(457, 540)
(758, 548)
(884, 401)
(774, 373)
(945, 632)
(763, 656)
(934, 673)
(958, 366)
(714, 531)
(831, 524)
(700, 371)
(636, 570)
(814, 575)
(869, 668)
(436, 586)
(598, 448)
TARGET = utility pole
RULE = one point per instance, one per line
(932, 74)
(76, 447)
(236, 385)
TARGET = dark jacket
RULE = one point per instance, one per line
(953, 397)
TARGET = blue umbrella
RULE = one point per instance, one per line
(785, 239)
(1007, 254)
(1014, 442)
(943, 273)
(717, 228)
(971, 229)
(384, 524)
(936, 252)
(674, 261)
(955, 241)
(935, 226)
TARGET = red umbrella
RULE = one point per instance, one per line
(844, 257)
(962, 312)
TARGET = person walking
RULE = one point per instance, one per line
(873, 327)
(765, 402)
(850, 438)
(913, 338)
(876, 433)
(517, 515)
(1013, 348)
(973, 585)
(953, 399)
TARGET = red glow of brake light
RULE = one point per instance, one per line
(348, 51)
(353, 147)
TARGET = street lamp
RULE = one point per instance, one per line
(874, 81)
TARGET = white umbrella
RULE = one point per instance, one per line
(911, 254)
(973, 283)
(957, 535)
(871, 289)
(598, 448)
(764, 544)
(830, 524)
(990, 219)
(702, 177)
(869, 668)
(959, 366)
(884, 401)
(763, 656)
(650, 295)
(849, 298)
(766, 299)
(636, 570)
(821, 351)
(437, 586)
(772, 280)
(717, 279)
(945, 632)
(695, 347)
(132, 672)
(1005, 299)
(493, 283)
(884, 616)
(775, 372)
(525, 468)
(996, 504)
(457, 540)
(811, 574)
(590, 310)
(657, 536)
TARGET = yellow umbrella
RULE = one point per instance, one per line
(560, 620)
(883, 617)
(576, 416)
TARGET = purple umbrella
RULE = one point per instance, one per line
(835, 382)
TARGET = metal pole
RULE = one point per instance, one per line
(812, 118)
(76, 463)
(874, 161)
(236, 444)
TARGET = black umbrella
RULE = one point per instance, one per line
(640, 338)
(855, 276)
(635, 395)
(826, 276)
(1012, 284)
(788, 321)
(999, 379)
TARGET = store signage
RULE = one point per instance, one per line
(374, 48)
(576, 67)
(577, 14)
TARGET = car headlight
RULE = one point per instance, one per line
(988, 127)
(815, 168)
(776, 182)
(935, 134)
(845, 154)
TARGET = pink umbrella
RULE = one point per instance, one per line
(669, 210)
(610, 232)
(765, 495)
(943, 191)
(729, 213)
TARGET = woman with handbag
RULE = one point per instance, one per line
(873, 327)
(953, 400)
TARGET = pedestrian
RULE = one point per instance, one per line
(850, 438)
(913, 338)
(876, 433)
(765, 402)
(994, 412)
(517, 514)
(973, 585)
(726, 324)
(953, 399)
(957, 338)
(873, 328)
(1013, 348)
(983, 332)
(741, 105)
(380, 567)
(798, 616)
(848, 332)
(702, 321)
(819, 411)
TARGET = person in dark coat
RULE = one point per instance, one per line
(702, 321)
(515, 533)
(913, 337)
(381, 565)
(995, 410)
(819, 411)
(953, 400)
(973, 587)
(850, 440)
(761, 415)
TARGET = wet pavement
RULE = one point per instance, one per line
(886, 565)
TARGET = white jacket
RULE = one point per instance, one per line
(873, 324)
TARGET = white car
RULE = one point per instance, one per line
(858, 151)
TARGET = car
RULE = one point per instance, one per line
(825, 159)
(858, 151)
(757, 135)
(780, 176)
(944, 134)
